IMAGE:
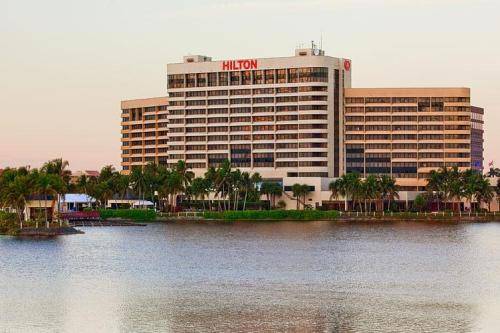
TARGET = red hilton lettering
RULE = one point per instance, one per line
(229, 65)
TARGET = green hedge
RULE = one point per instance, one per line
(302, 215)
(8, 224)
(129, 214)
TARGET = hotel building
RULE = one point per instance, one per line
(281, 117)
(407, 132)
(144, 132)
(477, 138)
(297, 120)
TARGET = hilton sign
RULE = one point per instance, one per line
(232, 65)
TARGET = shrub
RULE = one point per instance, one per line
(302, 215)
(8, 224)
(129, 214)
(420, 202)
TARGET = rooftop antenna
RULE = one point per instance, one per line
(321, 40)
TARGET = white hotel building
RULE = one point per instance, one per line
(285, 118)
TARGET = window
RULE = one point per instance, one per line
(236, 92)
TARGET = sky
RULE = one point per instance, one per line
(65, 65)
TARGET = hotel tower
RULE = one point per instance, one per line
(297, 120)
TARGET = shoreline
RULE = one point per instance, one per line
(47, 232)
(359, 219)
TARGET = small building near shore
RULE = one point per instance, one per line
(37, 207)
(76, 202)
(129, 203)
(129, 200)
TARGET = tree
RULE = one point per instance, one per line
(255, 179)
(494, 172)
(435, 185)
(58, 168)
(484, 192)
(199, 188)
(370, 190)
(388, 190)
(497, 192)
(48, 185)
(347, 186)
(420, 202)
(121, 184)
(222, 184)
(15, 188)
(138, 181)
(297, 192)
(300, 192)
(186, 175)
(271, 190)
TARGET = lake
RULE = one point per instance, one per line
(253, 277)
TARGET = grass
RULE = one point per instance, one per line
(299, 215)
(129, 214)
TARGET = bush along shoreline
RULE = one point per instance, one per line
(8, 224)
(271, 215)
(143, 215)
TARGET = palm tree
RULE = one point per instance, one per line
(59, 168)
(297, 192)
(494, 172)
(455, 187)
(484, 192)
(266, 189)
(199, 189)
(185, 174)
(121, 184)
(347, 186)
(388, 190)
(15, 188)
(173, 185)
(222, 184)
(271, 190)
(497, 191)
(211, 178)
(36, 190)
(249, 185)
(235, 180)
(138, 181)
(337, 189)
(470, 183)
(300, 192)
(49, 185)
(370, 190)
(436, 184)
(183, 170)
(106, 173)
(305, 191)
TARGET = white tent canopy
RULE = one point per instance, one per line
(76, 198)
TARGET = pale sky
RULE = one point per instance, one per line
(66, 65)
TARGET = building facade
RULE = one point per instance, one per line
(297, 120)
(407, 132)
(281, 117)
(477, 138)
(144, 132)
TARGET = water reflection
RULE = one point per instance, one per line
(297, 277)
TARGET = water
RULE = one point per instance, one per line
(243, 277)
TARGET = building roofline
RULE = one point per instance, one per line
(408, 92)
(144, 102)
